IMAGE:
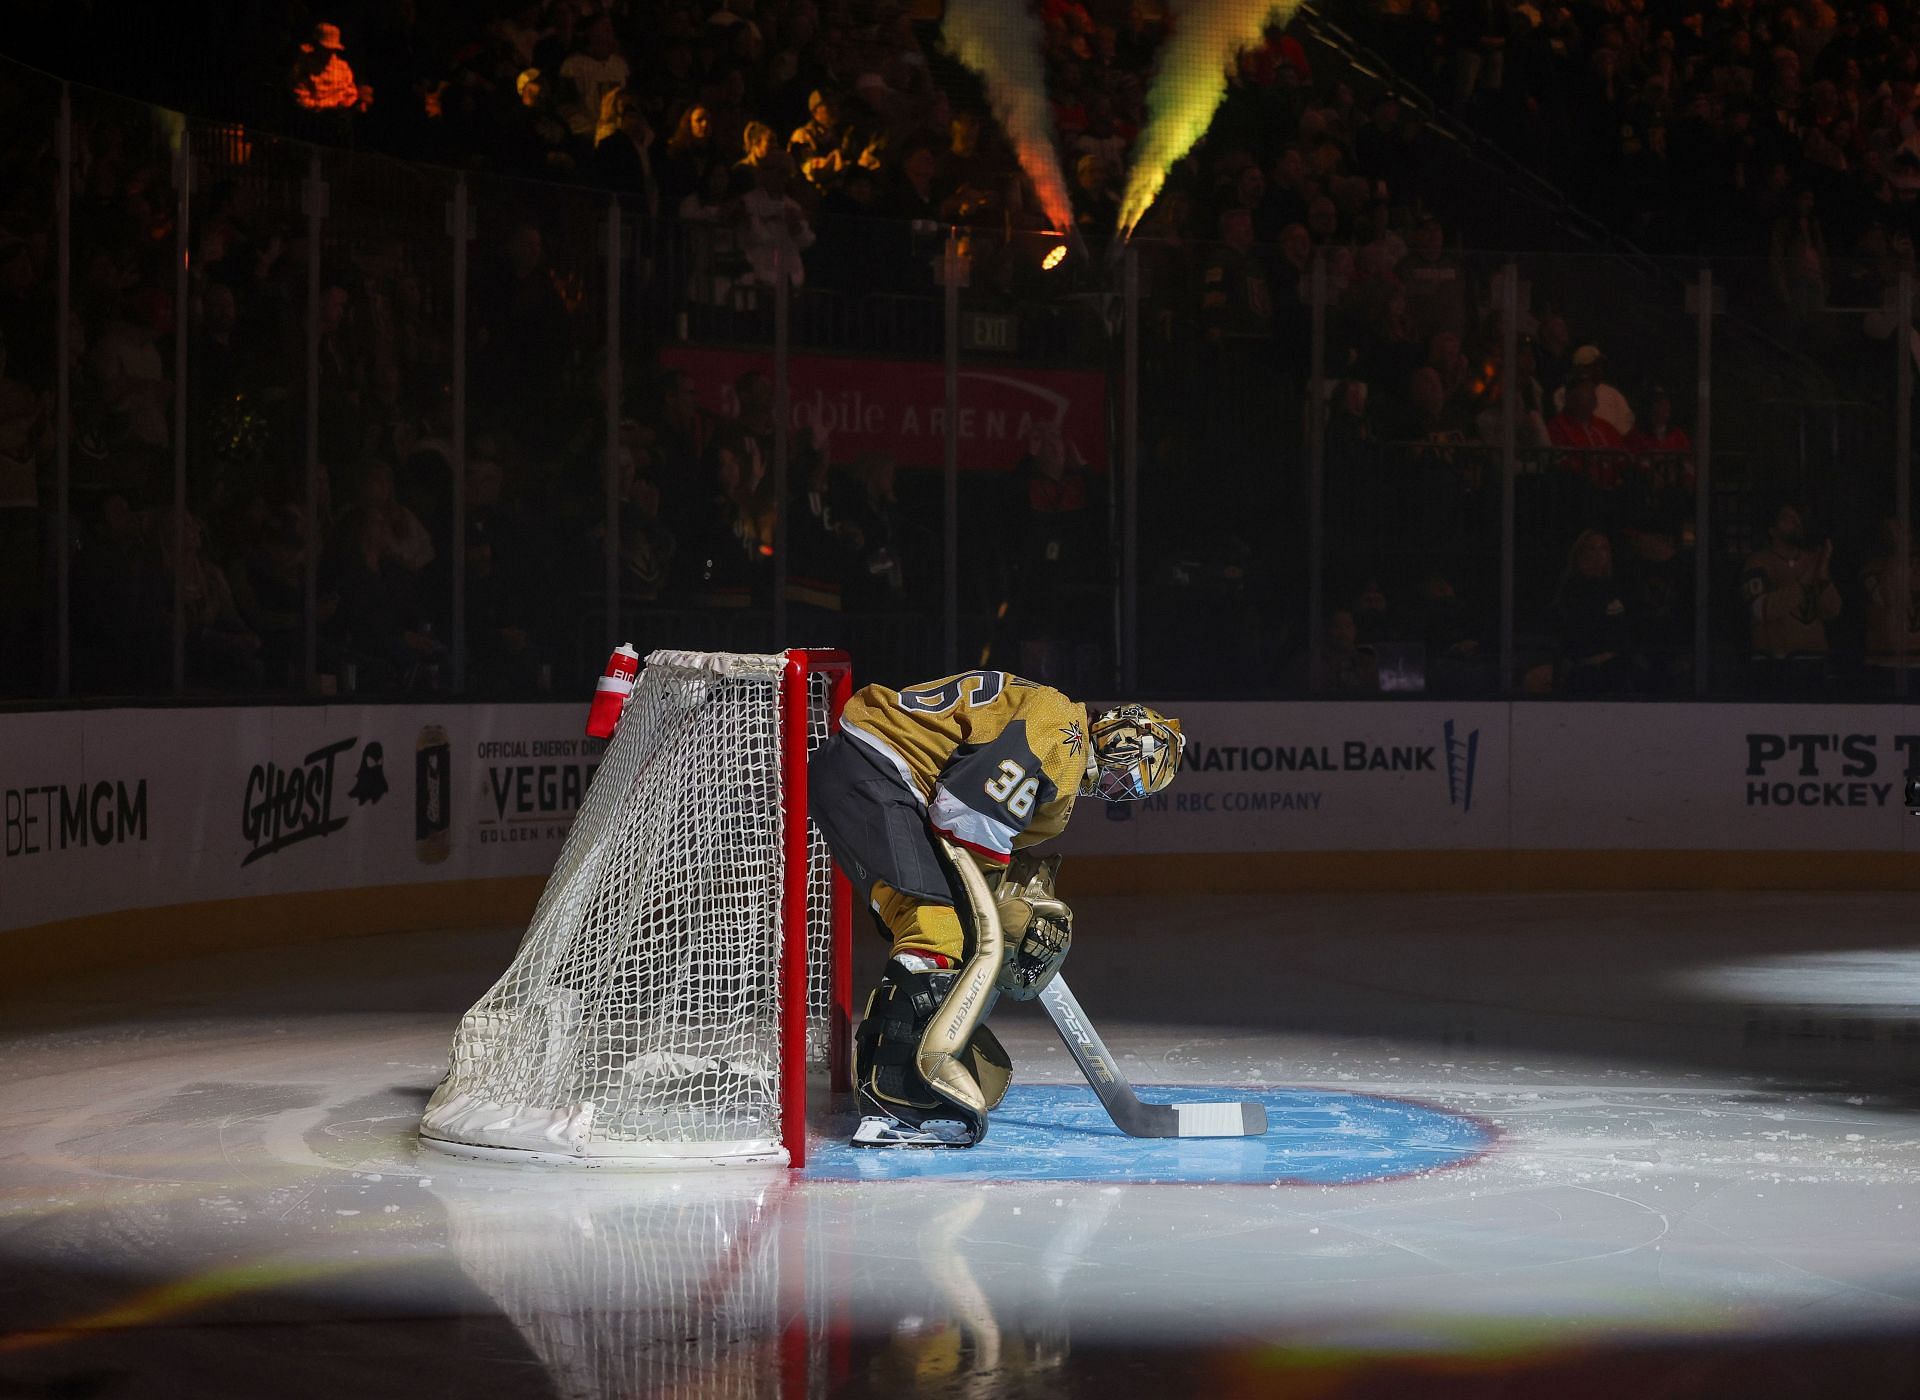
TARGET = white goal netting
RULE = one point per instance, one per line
(640, 1020)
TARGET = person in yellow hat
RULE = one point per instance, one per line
(931, 798)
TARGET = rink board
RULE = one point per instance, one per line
(1059, 1132)
(167, 831)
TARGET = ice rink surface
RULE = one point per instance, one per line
(1681, 1156)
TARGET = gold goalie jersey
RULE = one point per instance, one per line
(996, 760)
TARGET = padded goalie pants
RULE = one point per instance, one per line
(878, 832)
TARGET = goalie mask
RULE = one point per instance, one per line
(1133, 753)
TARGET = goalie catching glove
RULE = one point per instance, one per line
(1037, 924)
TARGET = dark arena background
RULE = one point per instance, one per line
(1487, 425)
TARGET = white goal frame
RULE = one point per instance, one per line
(491, 1105)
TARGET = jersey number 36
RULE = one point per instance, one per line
(1013, 789)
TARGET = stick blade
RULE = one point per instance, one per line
(1216, 1120)
(1141, 1120)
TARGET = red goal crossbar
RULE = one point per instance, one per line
(802, 664)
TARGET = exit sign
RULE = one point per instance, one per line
(994, 331)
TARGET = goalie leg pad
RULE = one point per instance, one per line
(911, 1019)
(943, 1057)
(920, 1055)
(887, 1073)
(990, 1065)
(888, 1038)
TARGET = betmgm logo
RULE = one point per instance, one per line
(1463, 758)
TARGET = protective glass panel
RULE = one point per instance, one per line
(29, 582)
(1604, 508)
(866, 515)
(702, 535)
(385, 426)
(1412, 467)
(1807, 546)
(1037, 453)
(537, 580)
(121, 465)
(1225, 353)
(246, 423)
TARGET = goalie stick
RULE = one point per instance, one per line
(1136, 1119)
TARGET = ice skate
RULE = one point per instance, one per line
(884, 1130)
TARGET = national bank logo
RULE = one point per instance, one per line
(1463, 757)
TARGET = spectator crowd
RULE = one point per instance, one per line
(1780, 129)
(830, 145)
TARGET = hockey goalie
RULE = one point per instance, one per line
(932, 799)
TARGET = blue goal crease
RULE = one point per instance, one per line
(1059, 1132)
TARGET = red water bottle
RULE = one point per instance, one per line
(610, 695)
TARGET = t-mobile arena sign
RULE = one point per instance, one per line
(899, 406)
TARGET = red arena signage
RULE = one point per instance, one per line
(899, 406)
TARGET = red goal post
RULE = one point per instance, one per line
(812, 676)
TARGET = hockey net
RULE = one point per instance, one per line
(685, 969)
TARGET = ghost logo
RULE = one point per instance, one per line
(284, 806)
(1463, 756)
(370, 783)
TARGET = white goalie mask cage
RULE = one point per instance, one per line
(686, 970)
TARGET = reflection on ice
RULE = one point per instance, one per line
(719, 1286)
(1887, 980)
(636, 1285)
